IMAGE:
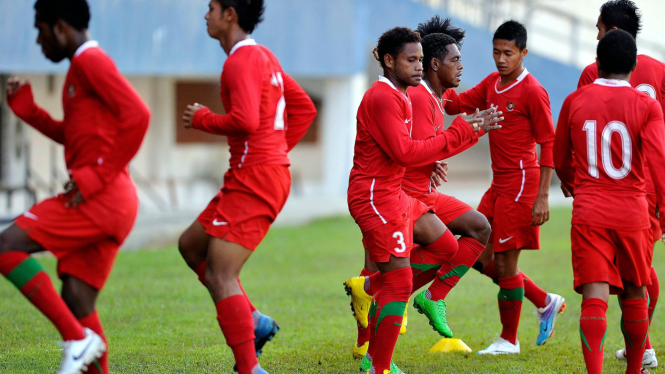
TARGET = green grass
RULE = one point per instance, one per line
(159, 319)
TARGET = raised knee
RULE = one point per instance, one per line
(480, 228)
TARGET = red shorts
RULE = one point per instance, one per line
(247, 204)
(510, 221)
(446, 207)
(656, 234)
(82, 249)
(605, 255)
(395, 237)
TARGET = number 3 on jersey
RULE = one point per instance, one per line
(277, 81)
(606, 149)
(400, 241)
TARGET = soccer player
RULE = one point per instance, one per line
(390, 220)
(648, 77)
(266, 115)
(517, 202)
(606, 132)
(104, 123)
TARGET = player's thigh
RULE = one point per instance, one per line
(193, 244)
(471, 224)
(14, 238)
(594, 255)
(512, 227)
(223, 265)
(427, 229)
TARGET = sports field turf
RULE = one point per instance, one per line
(159, 319)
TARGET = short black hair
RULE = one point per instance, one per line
(392, 42)
(512, 30)
(250, 12)
(436, 25)
(622, 14)
(435, 46)
(617, 52)
(75, 12)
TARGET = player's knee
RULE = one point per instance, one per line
(7, 241)
(186, 249)
(479, 227)
(222, 279)
(78, 303)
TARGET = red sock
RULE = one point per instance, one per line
(235, 320)
(252, 308)
(451, 271)
(510, 298)
(653, 291)
(593, 329)
(424, 266)
(490, 272)
(390, 311)
(363, 334)
(33, 282)
(372, 324)
(534, 293)
(375, 283)
(101, 365)
(635, 327)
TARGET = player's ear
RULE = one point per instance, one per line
(434, 64)
(524, 52)
(389, 60)
(229, 14)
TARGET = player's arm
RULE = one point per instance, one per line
(468, 101)
(588, 76)
(244, 85)
(391, 133)
(541, 119)
(98, 74)
(22, 103)
(653, 143)
(300, 111)
(563, 150)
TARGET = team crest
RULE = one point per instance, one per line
(510, 106)
(71, 91)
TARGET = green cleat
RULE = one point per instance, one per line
(366, 364)
(435, 311)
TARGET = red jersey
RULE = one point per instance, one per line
(528, 121)
(384, 148)
(261, 103)
(104, 123)
(428, 121)
(648, 77)
(607, 130)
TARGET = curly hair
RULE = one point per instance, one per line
(617, 52)
(75, 12)
(622, 14)
(436, 25)
(250, 12)
(435, 46)
(392, 43)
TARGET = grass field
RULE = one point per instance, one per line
(159, 319)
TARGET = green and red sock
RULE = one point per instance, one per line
(101, 365)
(451, 271)
(635, 328)
(235, 320)
(593, 330)
(29, 277)
(511, 295)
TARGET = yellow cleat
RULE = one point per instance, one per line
(405, 320)
(360, 352)
(360, 300)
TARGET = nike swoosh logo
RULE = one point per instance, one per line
(407, 121)
(76, 358)
(504, 240)
(219, 223)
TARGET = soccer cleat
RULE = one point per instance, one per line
(435, 311)
(78, 354)
(644, 371)
(547, 317)
(260, 370)
(360, 300)
(405, 320)
(360, 352)
(501, 347)
(366, 366)
(264, 332)
(648, 360)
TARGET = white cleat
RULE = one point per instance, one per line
(78, 354)
(501, 347)
(648, 360)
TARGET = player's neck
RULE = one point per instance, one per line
(76, 39)
(618, 77)
(512, 76)
(232, 38)
(393, 79)
(435, 85)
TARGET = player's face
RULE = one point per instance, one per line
(216, 20)
(601, 28)
(450, 71)
(408, 65)
(507, 56)
(51, 40)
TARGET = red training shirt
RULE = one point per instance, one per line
(648, 77)
(104, 123)
(428, 121)
(528, 121)
(384, 148)
(606, 130)
(267, 112)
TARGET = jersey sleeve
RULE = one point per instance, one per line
(244, 86)
(543, 127)
(390, 131)
(23, 105)
(563, 149)
(653, 143)
(587, 76)
(469, 100)
(300, 111)
(662, 92)
(99, 75)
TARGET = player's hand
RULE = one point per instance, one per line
(565, 191)
(490, 118)
(188, 116)
(475, 121)
(72, 189)
(14, 84)
(540, 211)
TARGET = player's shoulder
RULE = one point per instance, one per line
(649, 61)
(591, 69)
(92, 57)
(385, 93)
(418, 92)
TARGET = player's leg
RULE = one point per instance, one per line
(593, 324)
(510, 296)
(634, 324)
(362, 342)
